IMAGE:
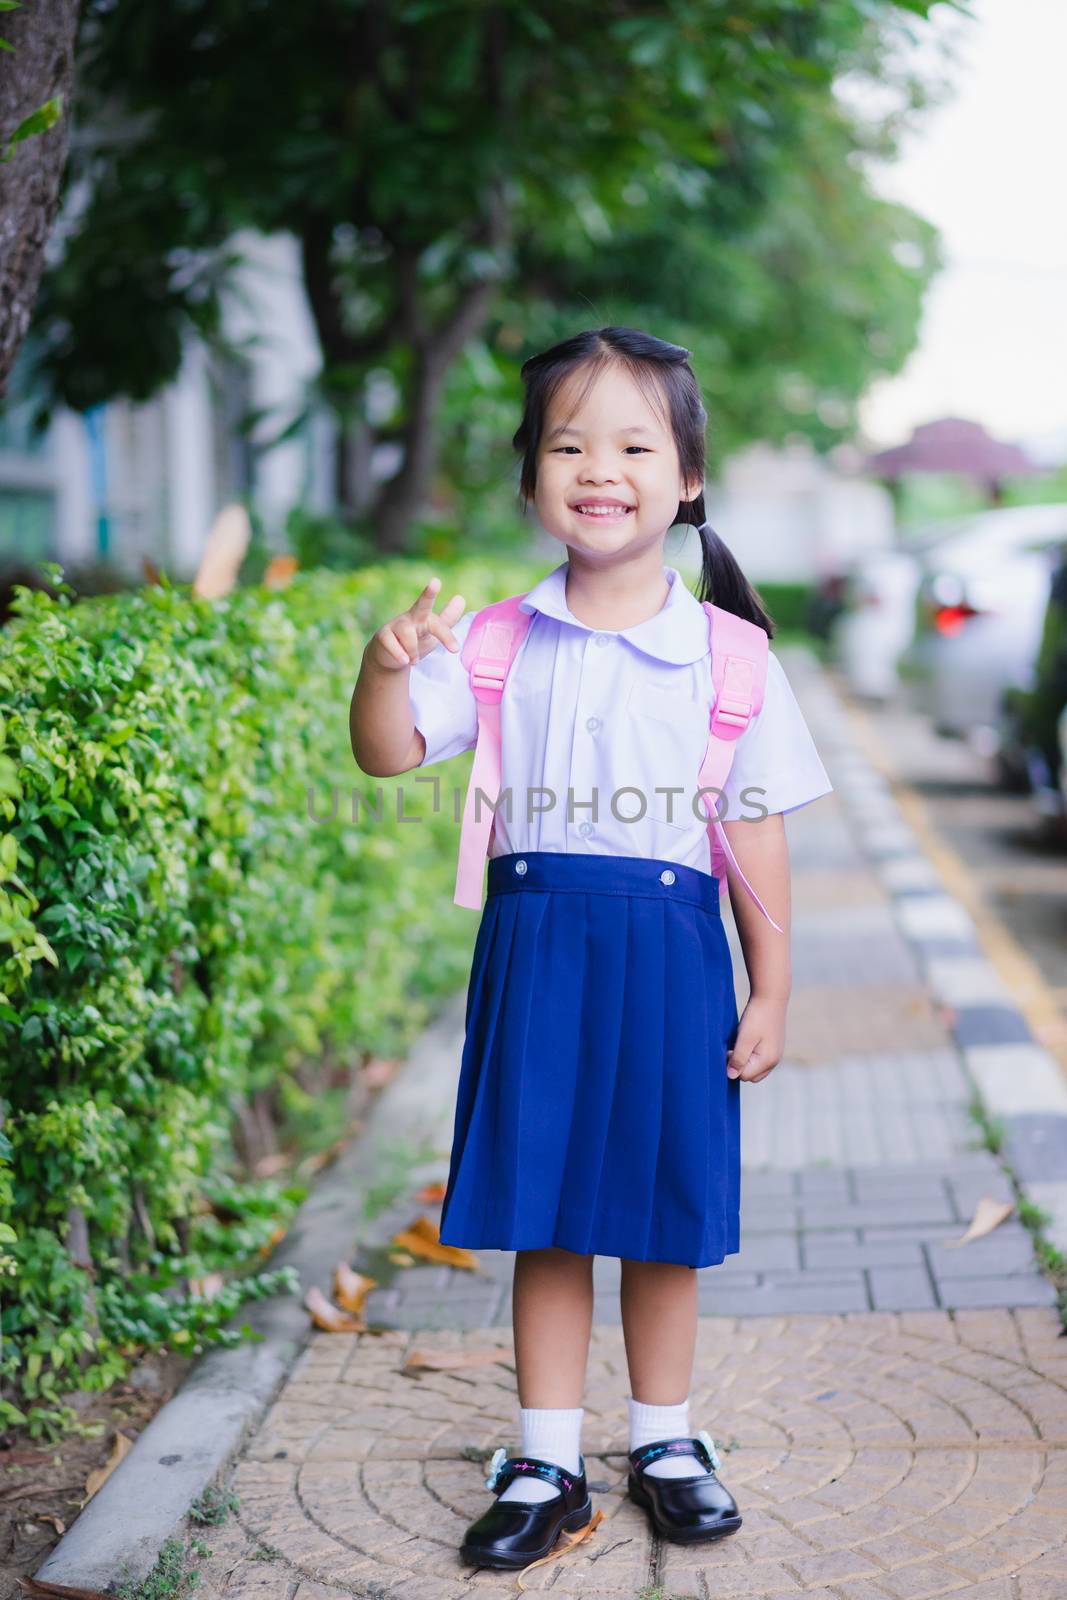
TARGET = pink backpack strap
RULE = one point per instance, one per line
(738, 674)
(491, 645)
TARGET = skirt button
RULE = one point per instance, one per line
(520, 867)
(666, 877)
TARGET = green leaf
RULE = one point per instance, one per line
(38, 121)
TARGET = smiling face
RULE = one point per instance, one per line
(608, 475)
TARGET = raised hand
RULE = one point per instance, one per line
(416, 631)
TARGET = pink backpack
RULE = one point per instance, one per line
(738, 671)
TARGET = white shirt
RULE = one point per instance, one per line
(588, 714)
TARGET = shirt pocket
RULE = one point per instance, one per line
(669, 735)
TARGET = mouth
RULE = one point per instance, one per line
(602, 511)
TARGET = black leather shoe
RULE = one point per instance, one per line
(683, 1509)
(512, 1533)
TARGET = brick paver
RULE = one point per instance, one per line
(873, 1455)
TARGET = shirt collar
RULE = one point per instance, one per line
(677, 633)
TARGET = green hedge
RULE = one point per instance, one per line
(177, 931)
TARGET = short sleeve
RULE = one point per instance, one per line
(442, 706)
(775, 758)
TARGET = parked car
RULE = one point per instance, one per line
(980, 610)
(1034, 720)
(877, 620)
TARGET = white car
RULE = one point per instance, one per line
(980, 610)
(877, 623)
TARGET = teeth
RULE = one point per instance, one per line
(602, 511)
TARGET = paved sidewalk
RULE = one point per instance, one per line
(892, 1411)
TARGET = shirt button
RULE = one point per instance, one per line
(666, 877)
(602, 638)
(585, 829)
(520, 867)
(592, 723)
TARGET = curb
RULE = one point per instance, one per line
(1018, 1082)
(197, 1434)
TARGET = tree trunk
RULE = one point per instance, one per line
(436, 347)
(42, 66)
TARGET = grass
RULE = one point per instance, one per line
(1053, 1262)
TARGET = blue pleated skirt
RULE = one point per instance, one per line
(593, 1110)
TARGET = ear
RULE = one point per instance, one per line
(691, 487)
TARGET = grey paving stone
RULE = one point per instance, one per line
(990, 1025)
(763, 1252)
(1035, 1145)
(980, 1258)
(920, 1210)
(936, 1230)
(945, 949)
(1028, 1290)
(863, 1253)
(774, 1301)
(770, 1183)
(901, 1289)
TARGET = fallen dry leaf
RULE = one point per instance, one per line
(99, 1475)
(57, 1522)
(351, 1288)
(267, 1166)
(328, 1317)
(276, 1236)
(432, 1191)
(422, 1239)
(223, 553)
(280, 571)
(19, 1491)
(378, 1071)
(988, 1214)
(446, 1360)
(60, 1591)
(567, 1542)
(401, 1258)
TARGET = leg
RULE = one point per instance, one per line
(659, 1323)
(552, 1312)
(674, 1482)
(552, 1315)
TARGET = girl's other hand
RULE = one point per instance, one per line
(760, 1040)
(413, 634)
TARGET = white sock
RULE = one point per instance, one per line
(550, 1433)
(663, 1422)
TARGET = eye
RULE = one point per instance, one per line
(638, 447)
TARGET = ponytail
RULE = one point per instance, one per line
(724, 584)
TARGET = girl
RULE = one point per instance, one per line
(599, 1097)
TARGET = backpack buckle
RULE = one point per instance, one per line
(733, 709)
(488, 674)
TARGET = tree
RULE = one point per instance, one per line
(38, 67)
(430, 157)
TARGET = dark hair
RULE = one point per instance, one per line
(658, 367)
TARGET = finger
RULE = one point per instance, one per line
(394, 646)
(738, 1057)
(436, 625)
(424, 604)
(753, 1067)
(454, 610)
(408, 635)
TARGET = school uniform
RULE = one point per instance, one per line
(593, 1108)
